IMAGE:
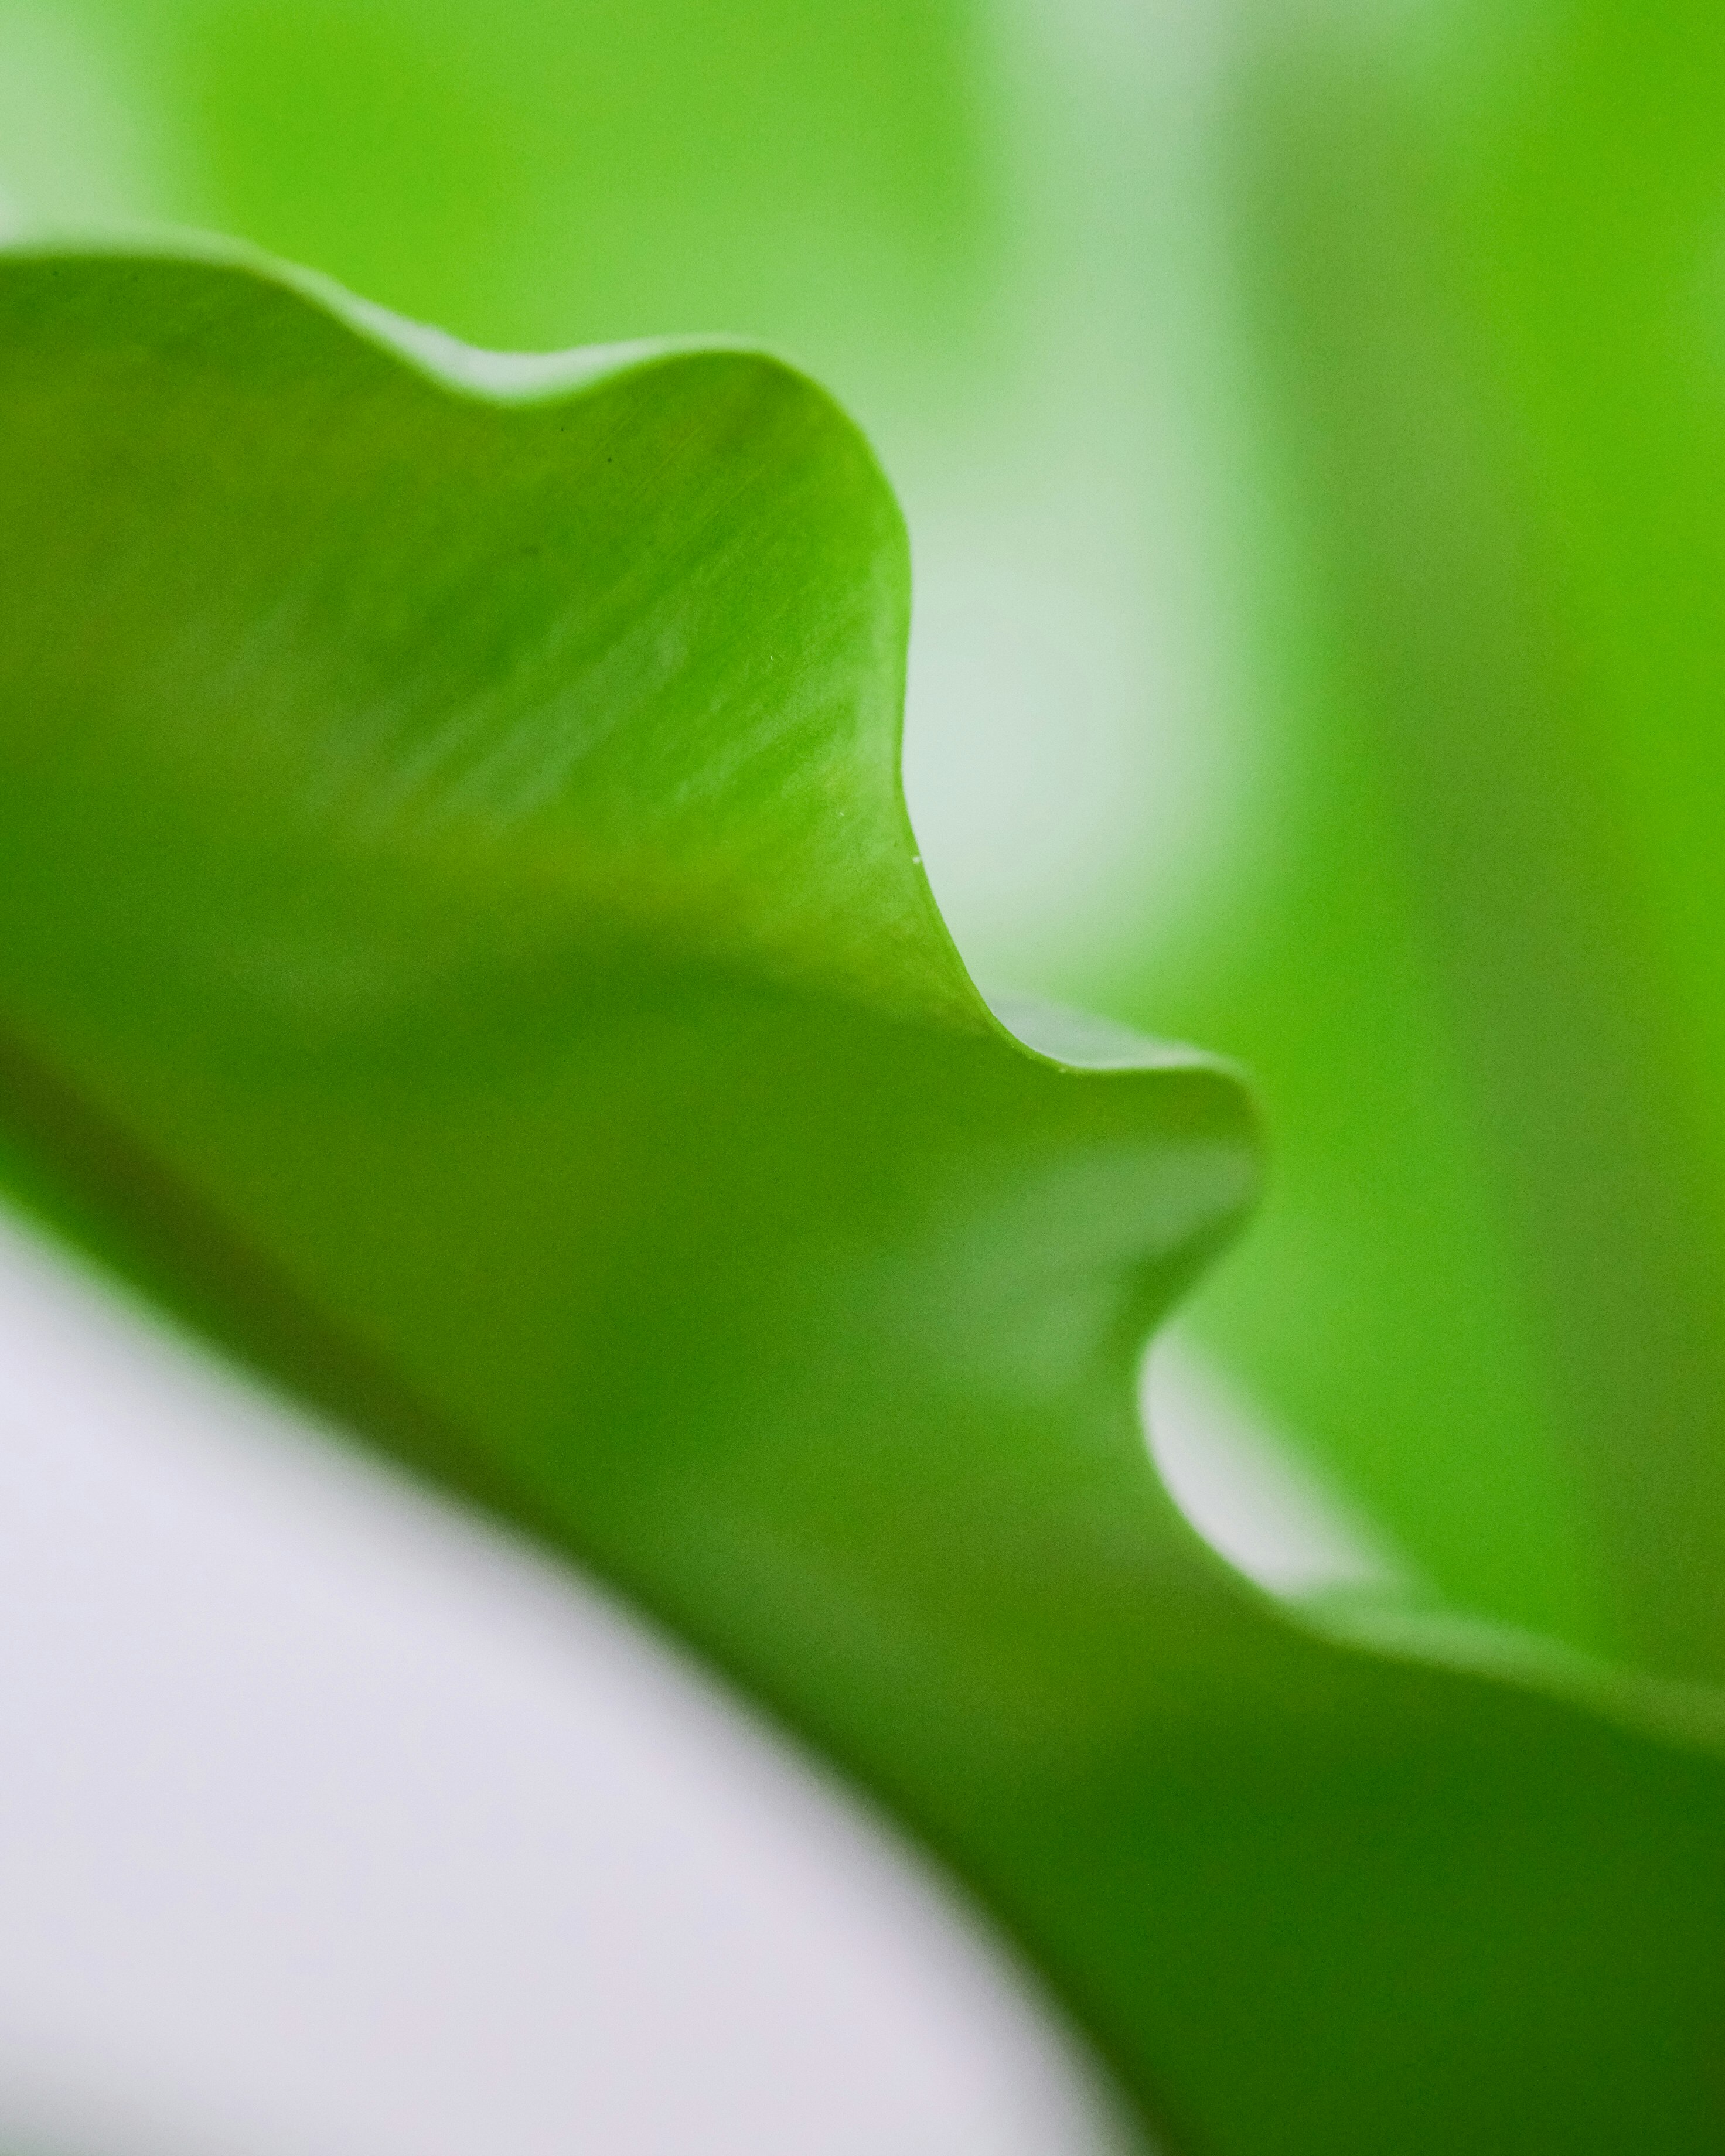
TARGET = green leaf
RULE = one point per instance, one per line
(461, 946)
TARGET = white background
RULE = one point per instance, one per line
(332, 1824)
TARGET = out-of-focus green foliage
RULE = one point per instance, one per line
(461, 946)
(541, 176)
(1484, 245)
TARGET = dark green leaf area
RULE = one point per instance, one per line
(461, 946)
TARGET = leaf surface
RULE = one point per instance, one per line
(461, 946)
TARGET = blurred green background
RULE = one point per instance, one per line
(1310, 418)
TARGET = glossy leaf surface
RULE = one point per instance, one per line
(461, 946)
